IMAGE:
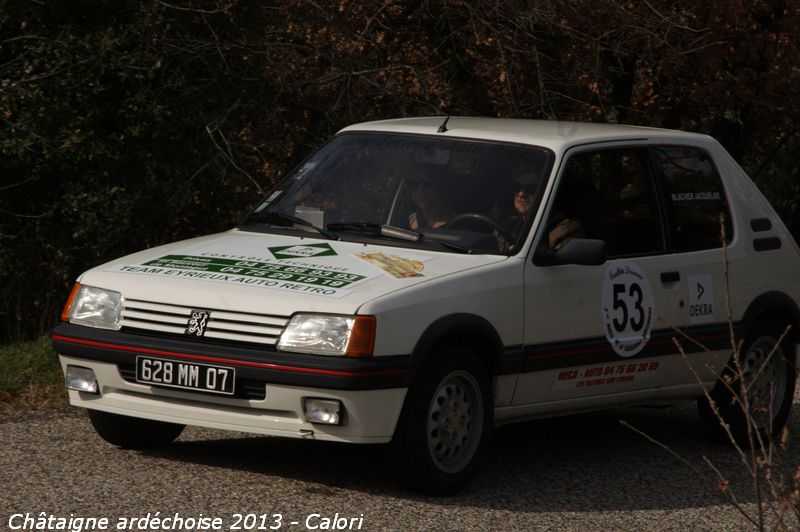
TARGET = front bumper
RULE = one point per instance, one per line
(270, 386)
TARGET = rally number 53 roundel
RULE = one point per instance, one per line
(627, 302)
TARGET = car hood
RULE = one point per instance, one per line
(276, 274)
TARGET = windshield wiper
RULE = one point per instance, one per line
(397, 233)
(374, 229)
(287, 220)
(451, 245)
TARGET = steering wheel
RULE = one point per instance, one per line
(467, 217)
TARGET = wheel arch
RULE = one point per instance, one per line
(776, 304)
(728, 421)
(467, 330)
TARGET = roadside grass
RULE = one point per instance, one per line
(30, 377)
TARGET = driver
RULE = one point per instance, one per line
(524, 194)
(427, 195)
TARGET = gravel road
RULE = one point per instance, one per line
(579, 473)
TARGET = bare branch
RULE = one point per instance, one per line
(14, 185)
(20, 215)
(228, 154)
(722, 487)
(191, 9)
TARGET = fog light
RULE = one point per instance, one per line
(326, 411)
(81, 379)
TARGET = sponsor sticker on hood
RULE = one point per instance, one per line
(399, 267)
(310, 268)
(303, 251)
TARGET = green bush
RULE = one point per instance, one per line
(31, 378)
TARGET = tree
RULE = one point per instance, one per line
(126, 125)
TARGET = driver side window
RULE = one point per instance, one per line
(608, 195)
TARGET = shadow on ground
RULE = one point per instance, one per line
(578, 463)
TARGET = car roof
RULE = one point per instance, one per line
(556, 135)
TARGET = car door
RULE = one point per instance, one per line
(602, 330)
(697, 214)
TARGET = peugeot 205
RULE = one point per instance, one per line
(420, 281)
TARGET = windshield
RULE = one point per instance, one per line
(412, 191)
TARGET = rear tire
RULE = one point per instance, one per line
(771, 383)
(132, 432)
(443, 432)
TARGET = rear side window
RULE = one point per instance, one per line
(694, 196)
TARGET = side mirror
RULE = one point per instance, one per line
(582, 251)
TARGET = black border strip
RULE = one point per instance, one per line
(265, 365)
(369, 373)
(598, 350)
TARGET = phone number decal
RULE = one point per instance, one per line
(603, 375)
(264, 270)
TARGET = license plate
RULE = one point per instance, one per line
(185, 375)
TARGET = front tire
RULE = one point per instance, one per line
(445, 426)
(132, 432)
(769, 382)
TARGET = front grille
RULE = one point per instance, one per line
(260, 329)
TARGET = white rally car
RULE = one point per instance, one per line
(422, 280)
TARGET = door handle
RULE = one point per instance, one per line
(670, 277)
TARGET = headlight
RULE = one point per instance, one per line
(95, 307)
(321, 334)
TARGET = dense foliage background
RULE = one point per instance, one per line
(128, 124)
